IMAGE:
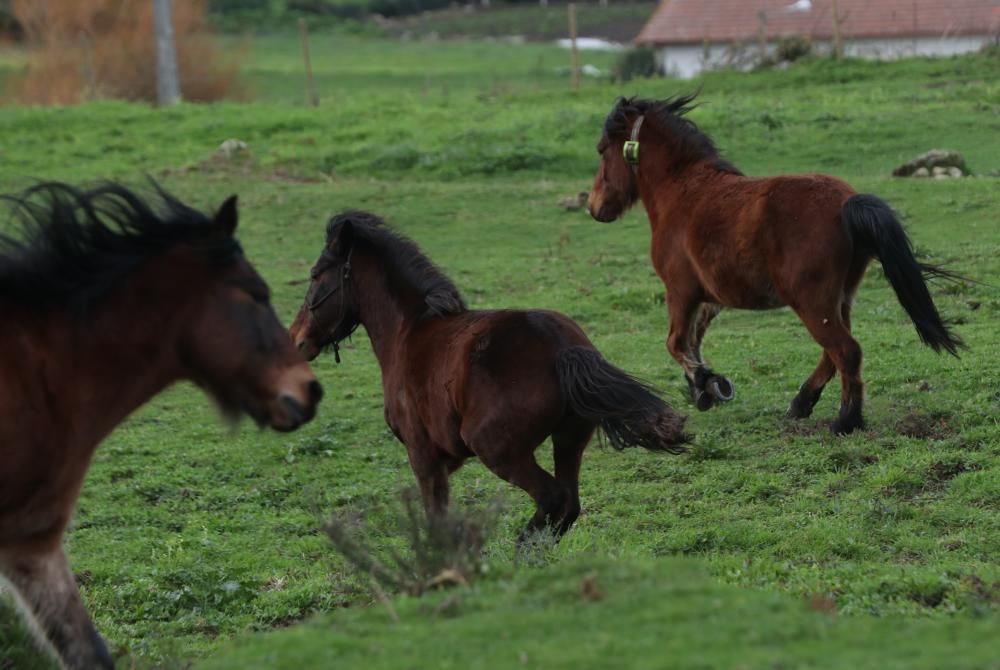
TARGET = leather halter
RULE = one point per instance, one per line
(345, 277)
(630, 151)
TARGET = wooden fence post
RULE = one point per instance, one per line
(838, 41)
(168, 90)
(310, 85)
(574, 61)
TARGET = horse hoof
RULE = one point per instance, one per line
(798, 409)
(721, 388)
(703, 401)
(843, 426)
(796, 412)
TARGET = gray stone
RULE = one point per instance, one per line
(930, 160)
(922, 172)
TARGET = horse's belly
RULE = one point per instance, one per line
(734, 291)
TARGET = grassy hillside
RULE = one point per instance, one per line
(188, 535)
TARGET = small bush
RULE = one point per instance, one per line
(636, 63)
(443, 550)
(106, 49)
(791, 49)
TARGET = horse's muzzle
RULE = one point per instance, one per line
(295, 406)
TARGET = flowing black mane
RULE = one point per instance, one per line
(75, 246)
(403, 260)
(692, 145)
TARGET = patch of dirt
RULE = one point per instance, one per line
(983, 591)
(925, 426)
(946, 470)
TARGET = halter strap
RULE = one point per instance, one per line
(346, 277)
(631, 149)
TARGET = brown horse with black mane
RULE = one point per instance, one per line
(721, 239)
(105, 302)
(460, 383)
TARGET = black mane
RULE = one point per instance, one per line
(693, 145)
(403, 260)
(75, 246)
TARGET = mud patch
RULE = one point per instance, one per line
(935, 426)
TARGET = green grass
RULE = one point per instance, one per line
(574, 616)
(188, 536)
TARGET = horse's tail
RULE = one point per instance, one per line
(627, 410)
(875, 230)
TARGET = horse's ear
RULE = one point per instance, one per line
(226, 218)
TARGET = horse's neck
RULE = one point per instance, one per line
(98, 370)
(383, 313)
(660, 188)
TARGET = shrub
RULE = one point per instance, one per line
(442, 550)
(106, 48)
(635, 63)
(791, 49)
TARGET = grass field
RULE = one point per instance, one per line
(189, 536)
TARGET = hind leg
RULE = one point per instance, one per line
(834, 335)
(568, 444)
(46, 589)
(519, 467)
(811, 389)
(809, 393)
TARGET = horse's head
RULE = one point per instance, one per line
(330, 310)
(231, 342)
(616, 187)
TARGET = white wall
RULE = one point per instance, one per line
(687, 60)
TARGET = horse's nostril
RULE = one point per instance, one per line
(315, 392)
(296, 412)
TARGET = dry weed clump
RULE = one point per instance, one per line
(84, 49)
(442, 551)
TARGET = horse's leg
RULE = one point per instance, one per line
(683, 343)
(568, 444)
(716, 385)
(517, 465)
(811, 389)
(45, 588)
(809, 393)
(834, 335)
(431, 468)
(682, 309)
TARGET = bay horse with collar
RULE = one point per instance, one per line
(104, 302)
(722, 239)
(461, 383)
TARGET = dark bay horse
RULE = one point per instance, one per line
(460, 383)
(103, 303)
(721, 239)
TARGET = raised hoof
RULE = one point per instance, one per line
(720, 388)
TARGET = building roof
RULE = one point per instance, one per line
(697, 21)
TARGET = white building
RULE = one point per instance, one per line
(694, 35)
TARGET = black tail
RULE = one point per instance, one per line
(628, 411)
(874, 228)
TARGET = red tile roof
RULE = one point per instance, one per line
(696, 21)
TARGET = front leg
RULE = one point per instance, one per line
(689, 319)
(45, 589)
